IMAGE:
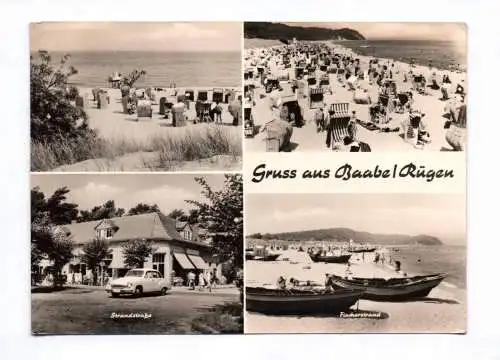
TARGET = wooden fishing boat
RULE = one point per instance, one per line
(300, 302)
(361, 250)
(394, 289)
(336, 259)
(268, 257)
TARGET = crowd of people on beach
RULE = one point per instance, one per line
(387, 88)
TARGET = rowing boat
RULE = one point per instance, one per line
(300, 302)
(394, 289)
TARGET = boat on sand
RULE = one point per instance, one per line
(393, 289)
(300, 302)
(337, 259)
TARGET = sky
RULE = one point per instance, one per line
(130, 36)
(407, 30)
(443, 216)
(127, 190)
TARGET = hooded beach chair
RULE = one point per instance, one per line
(419, 84)
(144, 110)
(218, 95)
(311, 80)
(411, 126)
(316, 98)
(202, 95)
(299, 72)
(189, 94)
(339, 124)
(102, 100)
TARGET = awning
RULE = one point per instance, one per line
(198, 262)
(184, 261)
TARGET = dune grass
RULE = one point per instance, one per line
(220, 319)
(189, 145)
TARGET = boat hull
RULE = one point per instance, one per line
(272, 257)
(355, 251)
(278, 302)
(406, 289)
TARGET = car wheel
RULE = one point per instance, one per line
(138, 291)
(115, 295)
(163, 291)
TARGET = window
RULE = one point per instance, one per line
(109, 233)
(159, 263)
(188, 235)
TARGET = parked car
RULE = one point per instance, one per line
(138, 282)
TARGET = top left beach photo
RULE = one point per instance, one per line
(131, 96)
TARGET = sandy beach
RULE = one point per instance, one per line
(442, 311)
(138, 139)
(308, 139)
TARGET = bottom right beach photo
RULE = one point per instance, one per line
(356, 263)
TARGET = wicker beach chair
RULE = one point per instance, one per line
(161, 109)
(316, 98)
(189, 94)
(311, 80)
(339, 124)
(102, 100)
(202, 95)
(218, 95)
(324, 81)
(411, 127)
(299, 72)
(144, 110)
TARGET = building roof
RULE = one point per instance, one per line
(142, 226)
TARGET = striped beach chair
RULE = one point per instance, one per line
(339, 126)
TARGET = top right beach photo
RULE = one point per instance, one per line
(355, 87)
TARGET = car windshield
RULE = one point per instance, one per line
(135, 273)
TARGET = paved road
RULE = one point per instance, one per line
(89, 311)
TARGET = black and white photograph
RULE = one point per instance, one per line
(355, 263)
(355, 87)
(135, 96)
(136, 254)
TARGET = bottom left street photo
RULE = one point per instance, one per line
(136, 254)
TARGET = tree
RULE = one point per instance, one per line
(60, 252)
(133, 77)
(222, 216)
(143, 209)
(58, 210)
(136, 252)
(176, 214)
(94, 253)
(53, 116)
(107, 210)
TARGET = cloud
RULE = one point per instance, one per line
(167, 197)
(94, 193)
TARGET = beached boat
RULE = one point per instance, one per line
(361, 250)
(269, 257)
(299, 302)
(336, 259)
(394, 289)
